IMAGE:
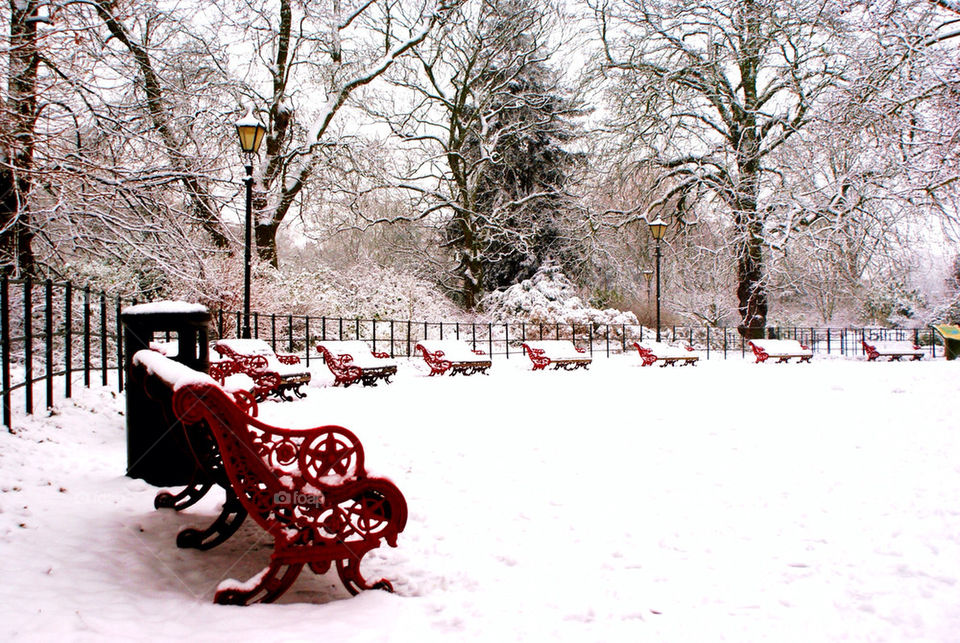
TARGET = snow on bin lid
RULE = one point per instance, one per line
(164, 307)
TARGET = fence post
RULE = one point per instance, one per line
(489, 338)
(28, 340)
(374, 335)
(220, 324)
(48, 337)
(356, 328)
(409, 329)
(391, 340)
(68, 339)
(708, 343)
(86, 336)
(506, 338)
(119, 348)
(306, 338)
(5, 350)
(290, 333)
(473, 327)
(103, 338)
(273, 332)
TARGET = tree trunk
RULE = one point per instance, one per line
(16, 235)
(265, 238)
(751, 296)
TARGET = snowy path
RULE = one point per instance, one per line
(724, 502)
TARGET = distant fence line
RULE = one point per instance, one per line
(52, 330)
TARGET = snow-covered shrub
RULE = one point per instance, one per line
(892, 304)
(549, 297)
(364, 291)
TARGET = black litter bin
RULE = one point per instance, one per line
(157, 450)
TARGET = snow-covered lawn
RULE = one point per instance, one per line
(730, 501)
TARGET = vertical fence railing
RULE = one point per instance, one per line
(40, 325)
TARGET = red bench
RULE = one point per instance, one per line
(352, 361)
(556, 352)
(451, 356)
(249, 373)
(651, 352)
(891, 349)
(273, 373)
(308, 488)
(781, 349)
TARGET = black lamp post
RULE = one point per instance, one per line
(250, 131)
(658, 228)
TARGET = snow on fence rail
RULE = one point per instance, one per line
(57, 335)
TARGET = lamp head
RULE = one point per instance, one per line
(250, 131)
(658, 228)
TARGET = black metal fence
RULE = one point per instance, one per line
(55, 336)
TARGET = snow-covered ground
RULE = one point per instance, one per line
(730, 501)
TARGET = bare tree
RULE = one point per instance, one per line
(308, 51)
(706, 92)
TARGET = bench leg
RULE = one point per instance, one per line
(272, 582)
(349, 572)
(186, 498)
(296, 391)
(231, 517)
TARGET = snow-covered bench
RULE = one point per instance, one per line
(446, 355)
(255, 358)
(247, 374)
(558, 352)
(353, 361)
(891, 349)
(781, 349)
(307, 488)
(651, 352)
